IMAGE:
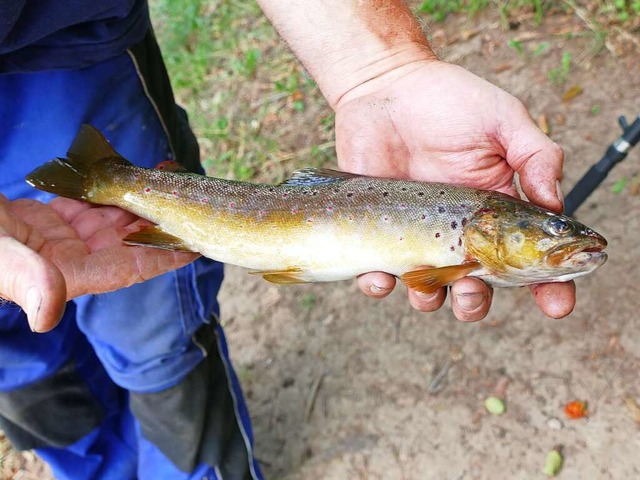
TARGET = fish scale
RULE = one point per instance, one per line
(324, 225)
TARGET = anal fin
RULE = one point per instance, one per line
(429, 280)
(154, 236)
(290, 276)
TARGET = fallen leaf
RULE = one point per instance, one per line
(572, 93)
(543, 124)
(494, 405)
(575, 409)
(634, 409)
(553, 463)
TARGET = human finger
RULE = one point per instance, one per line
(376, 284)
(556, 300)
(32, 282)
(427, 302)
(471, 299)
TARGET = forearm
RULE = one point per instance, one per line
(346, 43)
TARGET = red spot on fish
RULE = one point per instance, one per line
(147, 190)
(437, 234)
(294, 210)
(464, 222)
(285, 195)
(174, 193)
(350, 217)
(329, 209)
(232, 204)
(204, 200)
(460, 242)
(386, 219)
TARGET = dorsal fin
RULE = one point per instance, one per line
(90, 146)
(317, 176)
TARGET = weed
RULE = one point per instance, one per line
(308, 301)
(517, 46)
(560, 74)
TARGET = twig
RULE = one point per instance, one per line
(313, 394)
(435, 385)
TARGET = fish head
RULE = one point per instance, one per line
(520, 243)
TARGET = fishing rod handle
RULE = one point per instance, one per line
(585, 186)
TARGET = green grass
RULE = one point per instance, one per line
(242, 88)
(257, 113)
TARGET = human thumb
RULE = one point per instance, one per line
(538, 161)
(32, 282)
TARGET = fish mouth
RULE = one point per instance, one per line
(579, 253)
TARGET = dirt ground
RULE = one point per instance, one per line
(344, 387)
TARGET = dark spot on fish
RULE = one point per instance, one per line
(370, 188)
(314, 193)
(421, 194)
(404, 189)
(523, 224)
(309, 220)
(350, 194)
(385, 194)
(460, 242)
(441, 209)
(437, 234)
(271, 189)
(454, 225)
(441, 192)
(424, 217)
(464, 222)
(336, 190)
(452, 248)
(401, 239)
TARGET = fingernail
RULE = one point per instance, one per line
(34, 302)
(469, 301)
(427, 296)
(559, 193)
(376, 290)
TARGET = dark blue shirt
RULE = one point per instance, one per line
(38, 35)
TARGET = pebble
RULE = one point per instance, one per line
(554, 424)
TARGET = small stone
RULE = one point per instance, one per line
(554, 424)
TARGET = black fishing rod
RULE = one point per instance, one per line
(616, 152)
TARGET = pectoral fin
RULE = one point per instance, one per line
(154, 236)
(429, 280)
(289, 276)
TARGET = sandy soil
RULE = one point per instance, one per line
(343, 387)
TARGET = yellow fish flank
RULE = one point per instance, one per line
(324, 225)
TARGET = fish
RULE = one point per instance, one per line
(325, 225)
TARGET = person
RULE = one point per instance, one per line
(136, 382)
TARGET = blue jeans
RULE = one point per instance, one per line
(135, 383)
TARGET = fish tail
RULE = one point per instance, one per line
(73, 177)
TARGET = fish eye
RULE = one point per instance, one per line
(558, 226)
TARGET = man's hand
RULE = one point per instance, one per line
(438, 122)
(56, 252)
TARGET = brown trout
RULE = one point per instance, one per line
(325, 225)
